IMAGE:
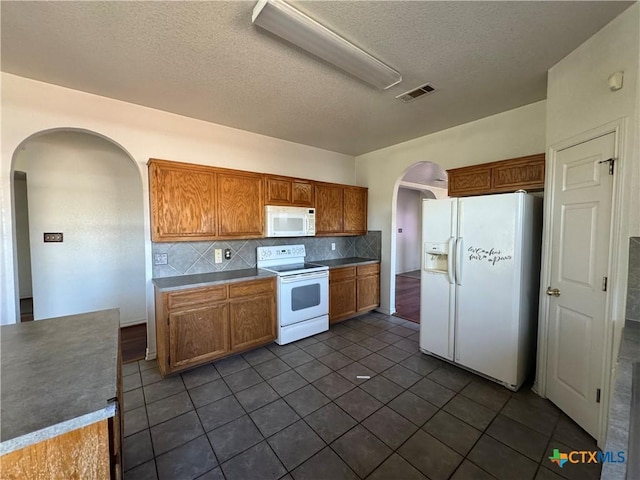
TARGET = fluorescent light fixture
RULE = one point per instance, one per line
(283, 20)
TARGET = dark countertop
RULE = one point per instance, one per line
(58, 375)
(345, 262)
(207, 279)
(618, 431)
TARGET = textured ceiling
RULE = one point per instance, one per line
(206, 60)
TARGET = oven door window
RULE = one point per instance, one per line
(306, 296)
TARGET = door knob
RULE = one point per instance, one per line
(553, 292)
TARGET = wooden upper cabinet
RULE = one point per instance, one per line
(355, 210)
(240, 205)
(195, 202)
(182, 200)
(526, 173)
(340, 209)
(469, 181)
(329, 209)
(288, 191)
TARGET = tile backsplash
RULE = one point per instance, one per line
(633, 282)
(186, 258)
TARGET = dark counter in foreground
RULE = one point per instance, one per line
(58, 375)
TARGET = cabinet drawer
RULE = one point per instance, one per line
(244, 289)
(338, 274)
(196, 296)
(372, 269)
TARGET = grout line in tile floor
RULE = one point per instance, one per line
(447, 375)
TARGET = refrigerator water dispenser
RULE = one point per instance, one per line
(436, 257)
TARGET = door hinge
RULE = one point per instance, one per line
(610, 161)
(597, 395)
(604, 284)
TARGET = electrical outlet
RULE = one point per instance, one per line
(53, 237)
(227, 254)
(160, 259)
(217, 255)
(333, 246)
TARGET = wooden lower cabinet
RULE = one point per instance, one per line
(342, 299)
(81, 453)
(198, 335)
(195, 326)
(353, 290)
(252, 322)
(368, 287)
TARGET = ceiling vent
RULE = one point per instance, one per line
(416, 93)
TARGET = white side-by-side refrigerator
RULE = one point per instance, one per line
(480, 283)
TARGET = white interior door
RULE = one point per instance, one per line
(582, 192)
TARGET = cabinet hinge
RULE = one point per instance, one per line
(604, 284)
(610, 161)
(597, 395)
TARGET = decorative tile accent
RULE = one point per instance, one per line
(187, 258)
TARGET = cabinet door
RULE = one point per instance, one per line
(198, 335)
(302, 193)
(240, 205)
(342, 293)
(278, 191)
(521, 173)
(329, 207)
(182, 202)
(355, 211)
(253, 321)
(368, 292)
(342, 300)
(469, 181)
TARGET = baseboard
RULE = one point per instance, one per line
(150, 355)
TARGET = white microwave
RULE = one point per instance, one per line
(290, 221)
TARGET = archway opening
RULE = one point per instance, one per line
(88, 189)
(421, 180)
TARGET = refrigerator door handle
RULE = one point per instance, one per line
(450, 262)
(459, 261)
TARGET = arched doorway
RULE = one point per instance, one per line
(89, 189)
(421, 180)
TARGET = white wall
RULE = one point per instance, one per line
(408, 218)
(22, 237)
(90, 190)
(29, 107)
(509, 134)
(579, 98)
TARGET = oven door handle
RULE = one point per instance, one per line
(304, 276)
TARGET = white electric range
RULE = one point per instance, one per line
(303, 291)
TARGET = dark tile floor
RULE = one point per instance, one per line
(300, 411)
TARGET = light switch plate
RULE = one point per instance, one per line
(217, 257)
(333, 246)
